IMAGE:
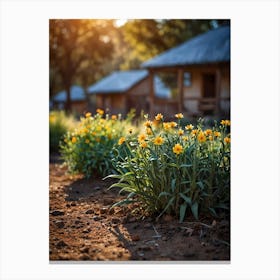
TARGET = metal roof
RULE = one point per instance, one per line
(76, 94)
(121, 81)
(118, 81)
(210, 47)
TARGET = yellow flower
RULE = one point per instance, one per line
(148, 123)
(208, 132)
(189, 127)
(185, 138)
(177, 149)
(114, 117)
(194, 132)
(180, 132)
(217, 133)
(173, 124)
(201, 137)
(130, 131)
(141, 138)
(100, 112)
(149, 131)
(121, 140)
(88, 115)
(158, 117)
(179, 116)
(166, 125)
(74, 140)
(227, 140)
(158, 140)
(225, 122)
(211, 138)
(87, 141)
(144, 145)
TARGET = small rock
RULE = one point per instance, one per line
(61, 244)
(97, 188)
(164, 238)
(60, 224)
(77, 222)
(96, 218)
(73, 204)
(57, 213)
(84, 257)
(90, 211)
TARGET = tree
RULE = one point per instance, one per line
(78, 49)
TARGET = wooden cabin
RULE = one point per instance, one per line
(123, 90)
(78, 100)
(197, 73)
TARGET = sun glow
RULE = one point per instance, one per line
(120, 22)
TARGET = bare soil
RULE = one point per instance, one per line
(84, 227)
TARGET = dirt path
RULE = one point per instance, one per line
(83, 227)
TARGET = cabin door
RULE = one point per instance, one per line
(208, 101)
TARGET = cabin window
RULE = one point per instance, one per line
(187, 79)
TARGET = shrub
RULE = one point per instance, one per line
(59, 124)
(88, 149)
(174, 169)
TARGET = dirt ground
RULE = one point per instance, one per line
(83, 227)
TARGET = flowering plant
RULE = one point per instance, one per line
(174, 169)
(88, 149)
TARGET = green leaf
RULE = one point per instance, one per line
(186, 198)
(183, 209)
(212, 210)
(194, 209)
(167, 206)
(122, 202)
(164, 193)
(185, 165)
(173, 184)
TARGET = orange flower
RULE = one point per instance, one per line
(201, 137)
(194, 132)
(158, 141)
(148, 123)
(208, 132)
(225, 122)
(189, 127)
(87, 141)
(166, 125)
(74, 140)
(143, 145)
(177, 149)
(179, 116)
(100, 112)
(149, 131)
(217, 133)
(88, 115)
(114, 117)
(180, 132)
(227, 140)
(121, 140)
(173, 124)
(158, 117)
(141, 138)
(130, 131)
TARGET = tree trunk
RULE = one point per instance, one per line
(68, 103)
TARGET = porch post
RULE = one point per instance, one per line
(218, 92)
(180, 85)
(152, 94)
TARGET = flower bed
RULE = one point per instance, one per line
(175, 170)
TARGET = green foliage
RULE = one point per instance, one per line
(176, 170)
(59, 124)
(88, 149)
